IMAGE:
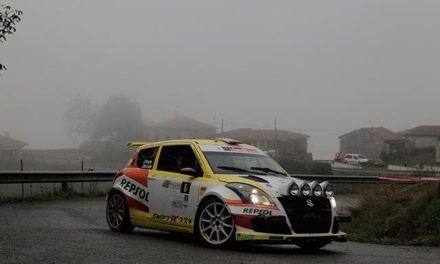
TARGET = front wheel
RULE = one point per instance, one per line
(214, 224)
(118, 218)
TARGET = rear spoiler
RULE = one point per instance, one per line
(136, 144)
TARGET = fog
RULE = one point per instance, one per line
(321, 68)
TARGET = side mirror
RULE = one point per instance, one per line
(189, 171)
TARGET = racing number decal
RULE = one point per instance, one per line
(185, 187)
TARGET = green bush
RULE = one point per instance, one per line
(397, 215)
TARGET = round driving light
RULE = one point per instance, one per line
(294, 189)
(305, 189)
(328, 190)
(317, 190)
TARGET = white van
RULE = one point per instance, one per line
(355, 159)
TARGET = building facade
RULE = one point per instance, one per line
(423, 137)
(373, 142)
(279, 143)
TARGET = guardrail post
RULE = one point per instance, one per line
(64, 186)
(82, 169)
(22, 185)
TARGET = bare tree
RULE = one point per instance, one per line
(9, 17)
(79, 115)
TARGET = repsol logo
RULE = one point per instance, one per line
(134, 189)
(257, 211)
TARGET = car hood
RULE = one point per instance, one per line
(275, 186)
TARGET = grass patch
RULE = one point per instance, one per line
(397, 215)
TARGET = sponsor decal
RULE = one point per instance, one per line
(202, 190)
(185, 187)
(224, 148)
(257, 211)
(179, 204)
(185, 198)
(245, 237)
(172, 219)
(171, 185)
(132, 188)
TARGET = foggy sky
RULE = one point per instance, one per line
(322, 68)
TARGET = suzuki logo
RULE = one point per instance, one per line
(309, 203)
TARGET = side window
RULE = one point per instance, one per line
(174, 158)
(146, 158)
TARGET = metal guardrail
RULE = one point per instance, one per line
(21, 177)
(55, 176)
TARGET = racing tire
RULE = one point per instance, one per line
(312, 245)
(214, 224)
(117, 214)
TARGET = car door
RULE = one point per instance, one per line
(174, 195)
(136, 183)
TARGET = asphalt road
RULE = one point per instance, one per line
(75, 231)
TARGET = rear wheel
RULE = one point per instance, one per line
(214, 224)
(118, 218)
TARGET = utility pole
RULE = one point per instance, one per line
(222, 124)
(275, 138)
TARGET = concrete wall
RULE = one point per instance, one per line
(362, 142)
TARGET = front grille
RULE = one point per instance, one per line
(271, 224)
(308, 214)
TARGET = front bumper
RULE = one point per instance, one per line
(253, 236)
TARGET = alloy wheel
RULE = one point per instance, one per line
(216, 224)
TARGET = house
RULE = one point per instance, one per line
(423, 137)
(10, 148)
(279, 143)
(373, 142)
(180, 127)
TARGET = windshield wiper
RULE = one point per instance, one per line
(237, 169)
(268, 170)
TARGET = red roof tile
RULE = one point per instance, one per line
(10, 143)
(422, 131)
(182, 122)
(380, 132)
(384, 133)
(244, 134)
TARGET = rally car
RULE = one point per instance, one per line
(221, 191)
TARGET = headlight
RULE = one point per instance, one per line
(317, 190)
(333, 202)
(327, 188)
(250, 195)
(294, 189)
(305, 189)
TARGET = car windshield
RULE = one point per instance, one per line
(242, 163)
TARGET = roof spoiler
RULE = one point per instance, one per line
(136, 144)
(229, 141)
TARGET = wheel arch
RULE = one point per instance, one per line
(207, 197)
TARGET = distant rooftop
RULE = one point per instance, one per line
(380, 132)
(244, 134)
(422, 131)
(8, 143)
(183, 122)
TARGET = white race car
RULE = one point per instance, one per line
(220, 191)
